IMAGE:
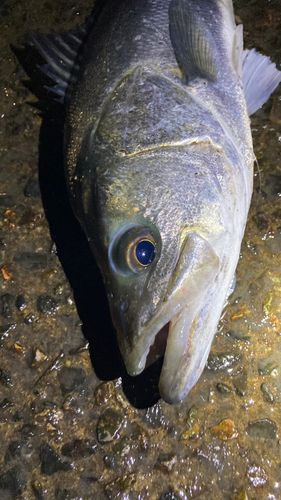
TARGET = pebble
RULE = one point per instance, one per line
(17, 449)
(120, 486)
(225, 430)
(51, 462)
(31, 261)
(7, 305)
(222, 361)
(12, 483)
(224, 388)
(32, 188)
(71, 378)
(6, 378)
(79, 449)
(47, 304)
(263, 428)
(240, 383)
(267, 395)
(21, 302)
(110, 422)
(169, 495)
(38, 358)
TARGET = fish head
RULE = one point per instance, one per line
(152, 236)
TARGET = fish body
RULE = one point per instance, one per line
(159, 162)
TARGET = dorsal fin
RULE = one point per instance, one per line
(192, 41)
(60, 52)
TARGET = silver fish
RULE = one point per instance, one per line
(159, 163)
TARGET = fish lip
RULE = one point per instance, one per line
(135, 363)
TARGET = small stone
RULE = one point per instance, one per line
(51, 462)
(21, 302)
(110, 422)
(12, 483)
(7, 275)
(267, 395)
(104, 392)
(31, 261)
(240, 383)
(7, 302)
(17, 449)
(47, 304)
(32, 188)
(267, 305)
(123, 447)
(38, 490)
(109, 461)
(222, 361)
(6, 378)
(225, 430)
(241, 496)
(59, 289)
(71, 378)
(257, 476)
(79, 449)
(224, 388)
(263, 428)
(38, 358)
(266, 367)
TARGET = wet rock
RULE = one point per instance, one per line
(21, 302)
(7, 305)
(38, 358)
(6, 378)
(71, 378)
(224, 388)
(110, 422)
(222, 361)
(47, 304)
(104, 392)
(12, 483)
(32, 188)
(166, 463)
(79, 449)
(240, 383)
(154, 416)
(31, 261)
(263, 428)
(17, 449)
(266, 366)
(256, 475)
(6, 403)
(192, 425)
(267, 395)
(51, 462)
(225, 430)
(121, 485)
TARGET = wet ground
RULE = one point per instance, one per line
(64, 434)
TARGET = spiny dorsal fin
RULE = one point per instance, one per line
(192, 40)
(260, 79)
(60, 53)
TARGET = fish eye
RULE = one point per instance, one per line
(134, 251)
(145, 252)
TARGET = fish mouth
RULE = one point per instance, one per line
(177, 330)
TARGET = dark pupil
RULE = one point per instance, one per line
(145, 252)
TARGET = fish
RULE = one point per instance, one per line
(159, 167)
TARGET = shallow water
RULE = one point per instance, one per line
(63, 433)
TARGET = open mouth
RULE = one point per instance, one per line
(158, 348)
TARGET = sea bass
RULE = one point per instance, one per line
(159, 164)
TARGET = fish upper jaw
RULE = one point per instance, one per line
(194, 275)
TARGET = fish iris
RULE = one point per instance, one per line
(145, 252)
